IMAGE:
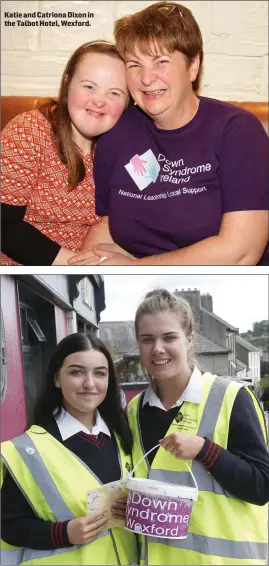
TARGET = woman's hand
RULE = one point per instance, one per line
(83, 530)
(118, 508)
(93, 255)
(115, 259)
(85, 257)
(182, 445)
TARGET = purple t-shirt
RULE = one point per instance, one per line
(167, 189)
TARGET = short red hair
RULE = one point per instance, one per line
(166, 24)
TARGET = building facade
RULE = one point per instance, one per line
(37, 311)
(251, 358)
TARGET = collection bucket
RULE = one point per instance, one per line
(159, 509)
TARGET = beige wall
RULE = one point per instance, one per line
(235, 41)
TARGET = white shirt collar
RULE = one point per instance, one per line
(69, 425)
(192, 393)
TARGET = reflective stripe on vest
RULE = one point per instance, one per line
(205, 481)
(27, 449)
(212, 407)
(14, 557)
(42, 477)
(216, 546)
(32, 459)
(11, 557)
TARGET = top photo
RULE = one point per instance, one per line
(134, 133)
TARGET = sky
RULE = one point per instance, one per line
(240, 299)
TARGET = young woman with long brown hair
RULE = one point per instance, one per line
(47, 182)
(79, 439)
(215, 424)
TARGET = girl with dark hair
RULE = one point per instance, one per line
(213, 423)
(48, 201)
(79, 439)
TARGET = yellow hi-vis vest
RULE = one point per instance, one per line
(223, 529)
(55, 482)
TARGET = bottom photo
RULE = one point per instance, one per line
(134, 419)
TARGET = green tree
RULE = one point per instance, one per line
(259, 335)
(264, 382)
(260, 328)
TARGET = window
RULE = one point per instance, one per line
(31, 332)
(38, 339)
(85, 327)
(87, 293)
(33, 339)
(37, 330)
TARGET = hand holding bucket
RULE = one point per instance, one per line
(157, 508)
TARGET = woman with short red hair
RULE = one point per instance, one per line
(183, 179)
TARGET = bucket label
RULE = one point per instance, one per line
(158, 515)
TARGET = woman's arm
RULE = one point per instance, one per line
(242, 469)
(23, 242)
(97, 235)
(241, 241)
(26, 244)
(21, 527)
(19, 177)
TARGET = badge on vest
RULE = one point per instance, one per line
(30, 450)
(185, 422)
(179, 417)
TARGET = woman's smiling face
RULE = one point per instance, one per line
(97, 94)
(160, 83)
(83, 379)
(163, 345)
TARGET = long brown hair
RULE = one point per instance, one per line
(50, 401)
(163, 24)
(56, 112)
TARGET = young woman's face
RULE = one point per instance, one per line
(97, 94)
(163, 345)
(160, 84)
(83, 379)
